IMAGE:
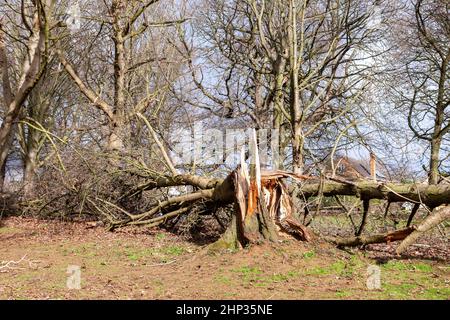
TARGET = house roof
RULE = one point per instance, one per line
(356, 168)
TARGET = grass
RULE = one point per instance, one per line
(398, 291)
(256, 277)
(436, 294)
(9, 230)
(173, 250)
(343, 294)
(247, 270)
(283, 277)
(222, 279)
(158, 287)
(230, 294)
(406, 266)
(161, 236)
(338, 268)
(125, 268)
(133, 256)
(309, 254)
(317, 271)
(163, 253)
(86, 250)
(407, 279)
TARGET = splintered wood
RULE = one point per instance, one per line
(264, 207)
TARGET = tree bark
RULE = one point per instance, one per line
(260, 214)
(433, 175)
(378, 238)
(33, 68)
(117, 130)
(294, 98)
(29, 170)
(430, 195)
(278, 117)
(439, 215)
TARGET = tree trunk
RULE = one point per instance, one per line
(33, 68)
(278, 117)
(294, 98)
(117, 128)
(7, 130)
(377, 238)
(297, 150)
(115, 139)
(29, 171)
(430, 195)
(2, 176)
(438, 216)
(433, 175)
(261, 213)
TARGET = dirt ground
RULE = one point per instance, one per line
(151, 264)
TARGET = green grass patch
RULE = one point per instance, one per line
(247, 270)
(405, 266)
(317, 271)
(423, 267)
(172, 250)
(222, 279)
(160, 236)
(436, 294)
(398, 291)
(343, 294)
(255, 276)
(164, 253)
(309, 254)
(338, 268)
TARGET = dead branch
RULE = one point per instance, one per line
(366, 204)
(378, 238)
(413, 213)
(11, 265)
(160, 145)
(439, 215)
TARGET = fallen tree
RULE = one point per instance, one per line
(260, 210)
(430, 195)
(377, 238)
(438, 216)
(263, 205)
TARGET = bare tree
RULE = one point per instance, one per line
(36, 18)
(125, 25)
(422, 84)
(298, 63)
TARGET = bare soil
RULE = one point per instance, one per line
(153, 264)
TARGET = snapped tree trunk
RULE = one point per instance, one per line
(263, 207)
(264, 210)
